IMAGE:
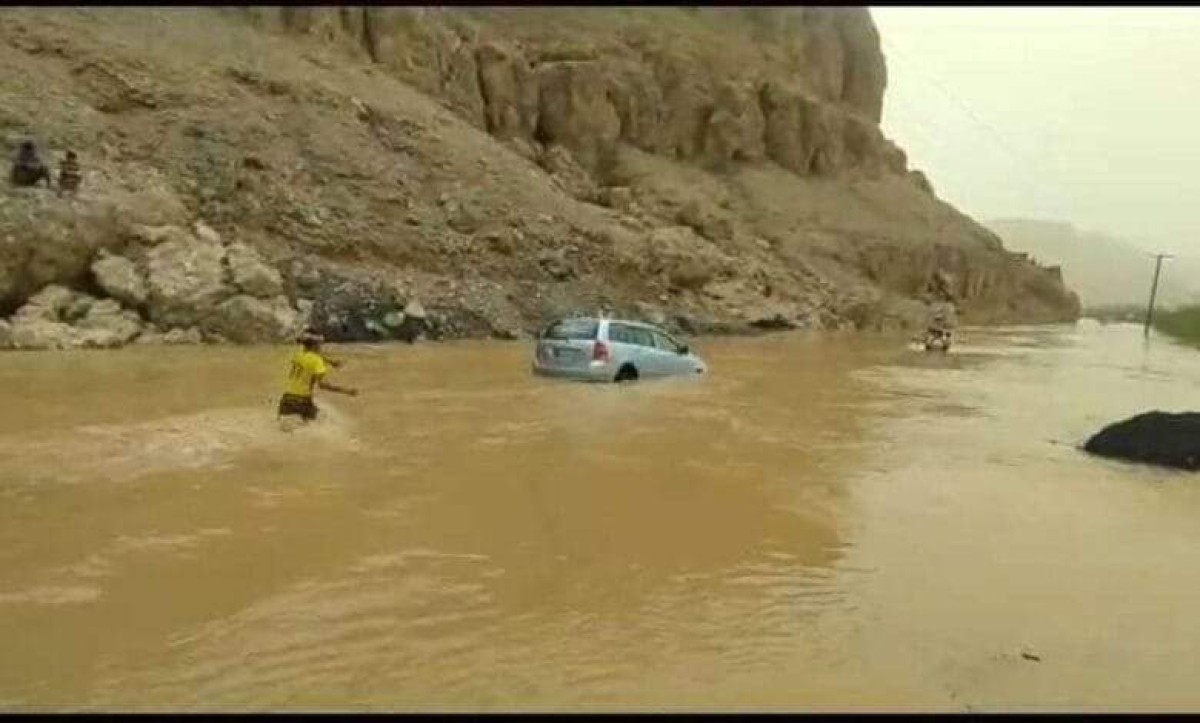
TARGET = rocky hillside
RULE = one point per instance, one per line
(1102, 269)
(463, 172)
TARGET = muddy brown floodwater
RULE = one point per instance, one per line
(825, 523)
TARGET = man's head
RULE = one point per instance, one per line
(71, 155)
(311, 340)
(27, 148)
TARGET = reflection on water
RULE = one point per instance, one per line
(823, 523)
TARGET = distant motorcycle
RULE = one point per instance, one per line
(937, 340)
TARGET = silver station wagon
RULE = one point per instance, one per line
(612, 350)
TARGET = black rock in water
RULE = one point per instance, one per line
(1168, 440)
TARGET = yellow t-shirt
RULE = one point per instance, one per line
(307, 367)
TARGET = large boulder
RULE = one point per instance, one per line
(245, 319)
(108, 325)
(251, 274)
(1159, 438)
(120, 278)
(49, 304)
(186, 281)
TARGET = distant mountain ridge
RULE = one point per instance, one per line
(1103, 269)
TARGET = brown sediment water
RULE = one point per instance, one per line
(823, 523)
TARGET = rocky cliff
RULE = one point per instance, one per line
(250, 170)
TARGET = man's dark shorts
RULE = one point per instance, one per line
(302, 407)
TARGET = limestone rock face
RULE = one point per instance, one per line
(186, 280)
(49, 304)
(245, 319)
(251, 274)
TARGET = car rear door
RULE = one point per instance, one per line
(567, 344)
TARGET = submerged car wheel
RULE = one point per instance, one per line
(627, 373)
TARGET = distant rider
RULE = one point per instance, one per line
(307, 371)
(941, 325)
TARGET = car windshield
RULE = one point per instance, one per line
(572, 330)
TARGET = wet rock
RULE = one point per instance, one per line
(190, 335)
(40, 334)
(120, 278)
(49, 304)
(107, 325)
(353, 310)
(149, 337)
(393, 320)
(773, 322)
(78, 308)
(505, 333)
(414, 310)
(251, 274)
(244, 319)
(1158, 438)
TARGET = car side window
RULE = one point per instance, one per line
(666, 343)
(619, 334)
(641, 337)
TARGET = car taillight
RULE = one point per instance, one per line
(600, 351)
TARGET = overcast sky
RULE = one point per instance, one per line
(1086, 115)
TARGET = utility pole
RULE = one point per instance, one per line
(1158, 259)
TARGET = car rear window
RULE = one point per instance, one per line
(572, 330)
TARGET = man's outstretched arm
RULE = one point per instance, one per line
(331, 387)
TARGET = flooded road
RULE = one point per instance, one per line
(823, 523)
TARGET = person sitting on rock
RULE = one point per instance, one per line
(69, 175)
(27, 167)
(307, 371)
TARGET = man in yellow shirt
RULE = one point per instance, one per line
(307, 371)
